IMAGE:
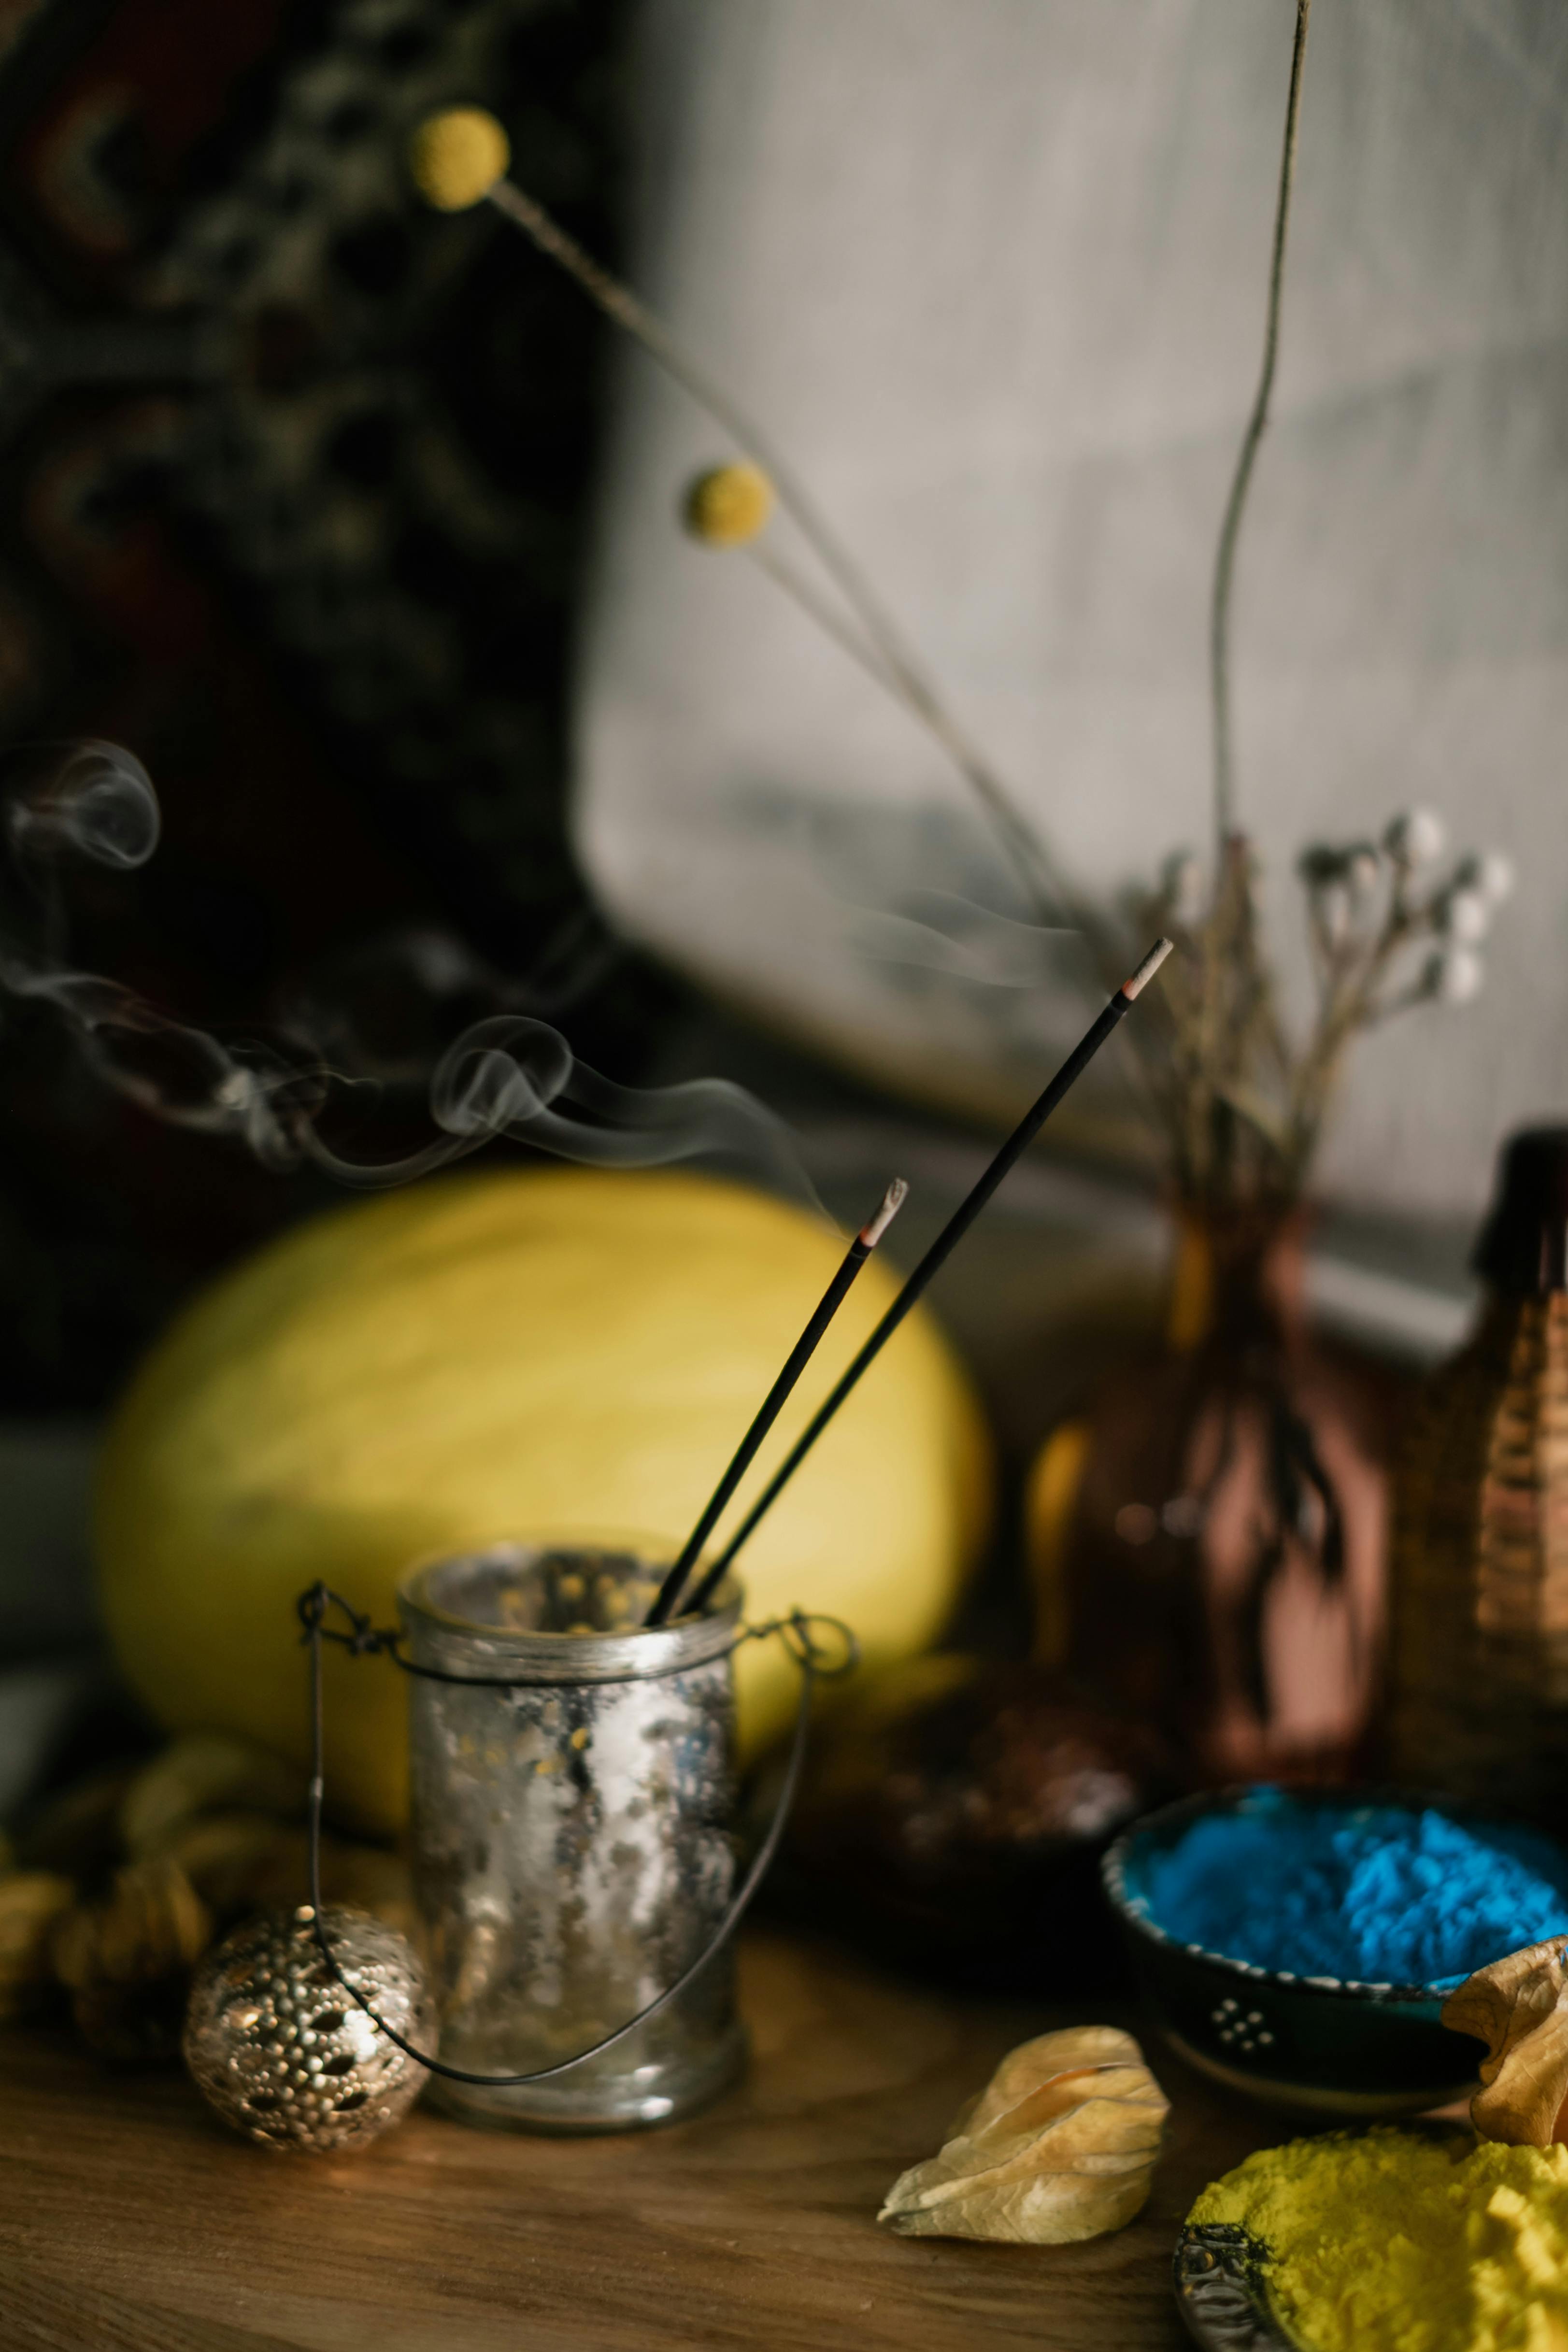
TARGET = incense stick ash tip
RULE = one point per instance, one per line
(894, 1200)
(1147, 968)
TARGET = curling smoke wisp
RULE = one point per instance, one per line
(508, 1075)
(940, 931)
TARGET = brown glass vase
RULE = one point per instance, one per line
(1209, 1542)
(1479, 1654)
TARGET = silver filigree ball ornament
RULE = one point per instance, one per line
(282, 2052)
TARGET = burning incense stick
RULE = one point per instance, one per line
(804, 1348)
(952, 1234)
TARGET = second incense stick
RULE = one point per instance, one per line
(855, 1257)
(952, 1234)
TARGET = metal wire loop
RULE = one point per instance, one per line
(828, 1662)
(817, 1661)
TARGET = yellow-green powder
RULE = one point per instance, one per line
(1391, 2242)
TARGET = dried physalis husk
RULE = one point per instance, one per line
(76, 1831)
(127, 1961)
(1060, 2145)
(31, 1900)
(243, 1862)
(239, 1862)
(1519, 2008)
(206, 1772)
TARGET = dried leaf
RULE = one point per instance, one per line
(31, 1900)
(235, 1861)
(1519, 2008)
(1060, 2145)
(127, 1961)
(244, 1862)
(205, 1773)
(76, 1831)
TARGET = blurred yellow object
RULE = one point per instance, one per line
(569, 1352)
(729, 505)
(1050, 1498)
(457, 157)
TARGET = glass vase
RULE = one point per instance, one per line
(1209, 1541)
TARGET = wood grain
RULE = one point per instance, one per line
(130, 2222)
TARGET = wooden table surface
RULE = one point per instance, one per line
(130, 2222)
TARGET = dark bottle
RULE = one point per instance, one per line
(1478, 1659)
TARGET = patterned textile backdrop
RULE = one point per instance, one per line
(293, 482)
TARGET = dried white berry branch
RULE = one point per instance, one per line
(1386, 933)
(1241, 1105)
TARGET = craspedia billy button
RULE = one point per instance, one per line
(729, 505)
(457, 157)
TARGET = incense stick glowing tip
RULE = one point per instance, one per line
(1146, 969)
(894, 1200)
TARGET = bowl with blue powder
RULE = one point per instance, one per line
(1298, 1945)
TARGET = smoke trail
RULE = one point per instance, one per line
(940, 931)
(510, 1074)
(379, 1008)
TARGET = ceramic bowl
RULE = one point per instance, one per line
(1323, 2045)
(1224, 2279)
(1220, 2277)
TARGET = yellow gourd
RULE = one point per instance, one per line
(568, 1351)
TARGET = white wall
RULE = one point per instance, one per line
(991, 270)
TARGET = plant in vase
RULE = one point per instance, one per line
(1209, 1541)
(1214, 1528)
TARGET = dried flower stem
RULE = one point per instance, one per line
(1242, 1106)
(1225, 561)
(1051, 895)
(1233, 1012)
(826, 617)
(894, 664)
(1349, 999)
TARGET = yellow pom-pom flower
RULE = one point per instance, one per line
(729, 505)
(457, 157)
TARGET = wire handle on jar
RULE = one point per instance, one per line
(816, 1662)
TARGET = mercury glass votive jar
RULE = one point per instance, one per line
(572, 1823)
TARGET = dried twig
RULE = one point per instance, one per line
(1230, 526)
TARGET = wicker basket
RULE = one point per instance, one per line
(1479, 1650)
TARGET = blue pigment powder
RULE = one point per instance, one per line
(1379, 1894)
